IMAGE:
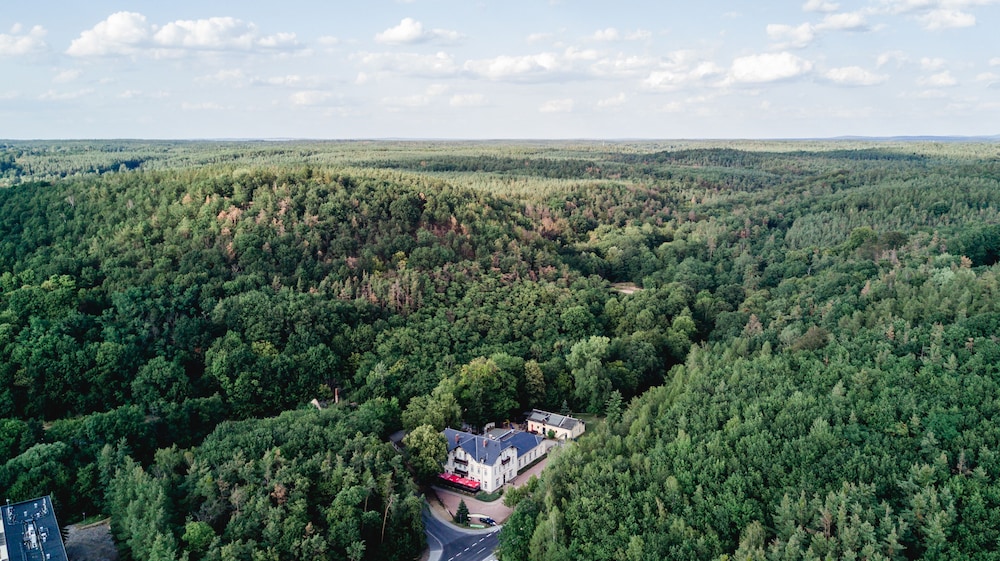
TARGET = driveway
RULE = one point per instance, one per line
(450, 499)
(451, 543)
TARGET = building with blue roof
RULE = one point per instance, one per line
(492, 459)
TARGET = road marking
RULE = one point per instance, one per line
(464, 550)
(480, 551)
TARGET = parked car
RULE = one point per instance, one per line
(487, 520)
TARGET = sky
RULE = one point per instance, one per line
(498, 69)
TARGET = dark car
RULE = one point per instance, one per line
(487, 520)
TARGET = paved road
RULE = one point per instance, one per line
(449, 543)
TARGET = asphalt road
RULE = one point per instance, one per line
(448, 543)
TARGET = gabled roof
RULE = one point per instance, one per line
(481, 448)
(553, 419)
(488, 449)
(524, 442)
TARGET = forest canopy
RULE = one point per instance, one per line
(805, 335)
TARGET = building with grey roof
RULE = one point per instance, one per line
(562, 426)
(492, 459)
(30, 532)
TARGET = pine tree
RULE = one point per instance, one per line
(462, 514)
(613, 407)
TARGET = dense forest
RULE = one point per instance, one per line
(793, 346)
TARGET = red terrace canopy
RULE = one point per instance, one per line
(467, 483)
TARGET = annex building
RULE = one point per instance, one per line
(492, 459)
(30, 532)
(564, 427)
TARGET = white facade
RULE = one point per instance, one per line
(564, 427)
(490, 476)
(492, 460)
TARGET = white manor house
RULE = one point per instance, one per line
(492, 459)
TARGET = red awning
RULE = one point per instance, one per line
(464, 482)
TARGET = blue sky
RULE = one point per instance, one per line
(499, 69)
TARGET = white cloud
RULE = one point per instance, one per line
(557, 106)
(680, 68)
(939, 80)
(435, 90)
(212, 33)
(847, 21)
(769, 67)
(230, 76)
(624, 65)
(129, 33)
(995, 61)
(946, 19)
(616, 101)
(885, 58)
(928, 63)
(788, 36)
(406, 101)
(519, 68)
(310, 98)
(329, 41)
(612, 34)
(202, 106)
(638, 35)
(468, 100)
(820, 6)
(609, 34)
(289, 80)
(133, 94)
(411, 31)
(412, 64)
(17, 43)
(408, 31)
(429, 96)
(67, 76)
(909, 6)
(854, 76)
(53, 95)
(120, 33)
(577, 54)
(678, 75)
(987, 77)
(538, 37)
(800, 36)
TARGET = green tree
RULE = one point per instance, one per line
(427, 450)
(198, 536)
(592, 383)
(534, 382)
(160, 381)
(515, 542)
(487, 393)
(613, 408)
(462, 513)
(440, 409)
